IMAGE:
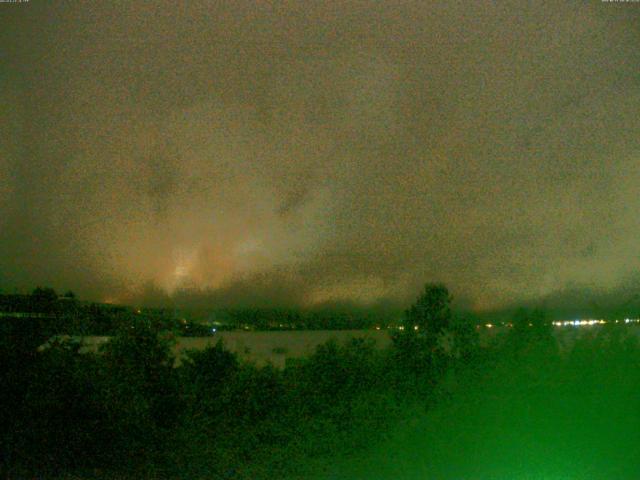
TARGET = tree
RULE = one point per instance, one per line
(137, 389)
(70, 295)
(44, 300)
(206, 371)
(431, 313)
(416, 347)
(47, 293)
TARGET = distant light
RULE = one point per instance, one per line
(489, 325)
(401, 327)
(415, 327)
(213, 330)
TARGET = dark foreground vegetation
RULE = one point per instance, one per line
(519, 409)
(523, 410)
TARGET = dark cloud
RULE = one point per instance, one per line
(314, 153)
(587, 300)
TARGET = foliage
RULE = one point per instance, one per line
(431, 312)
(131, 411)
(418, 349)
(44, 299)
(58, 419)
(138, 392)
(19, 363)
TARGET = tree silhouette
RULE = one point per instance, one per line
(431, 313)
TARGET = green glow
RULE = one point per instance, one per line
(535, 417)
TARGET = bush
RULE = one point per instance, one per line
(58, 420)
(137, 388)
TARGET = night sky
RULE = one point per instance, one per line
(306, 152)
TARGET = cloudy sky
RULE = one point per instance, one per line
(307, 152)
